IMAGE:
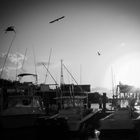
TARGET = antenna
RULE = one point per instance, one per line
(48, 63)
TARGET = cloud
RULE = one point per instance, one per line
(14, 62)
(5, 73)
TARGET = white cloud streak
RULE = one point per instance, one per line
(14, 62)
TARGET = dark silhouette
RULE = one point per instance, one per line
(57, 19)
(10, 28)
(100, 102)
(99, 53)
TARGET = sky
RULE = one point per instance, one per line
(107, 26)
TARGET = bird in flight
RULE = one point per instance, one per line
(98, 53)
(57, 19)
(10, 28)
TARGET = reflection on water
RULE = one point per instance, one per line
(96, 106)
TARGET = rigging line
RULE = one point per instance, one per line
(73, 77)
(48, 63)
(49, 73)
(7, 54)
(70, 74)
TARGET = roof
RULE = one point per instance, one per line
(26, 74)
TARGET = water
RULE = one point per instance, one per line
(96, 106)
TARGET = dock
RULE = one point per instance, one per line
(118, 125)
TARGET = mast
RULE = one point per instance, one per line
(48, 64)
(70, 74)
(80, 74)
(35, 66)
(16, 68)
(61, 78)
(113, 81)
(49, 73)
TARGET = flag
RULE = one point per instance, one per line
(10, 28)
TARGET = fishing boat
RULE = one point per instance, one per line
(23, 106)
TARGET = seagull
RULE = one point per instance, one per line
(10, 28)
(99, 53)
(57, 19)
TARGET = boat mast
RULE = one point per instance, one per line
(80, 74)
(112, 81)
(48, 64)
(16, 69)
(61, 78)
(70, 74)
(35, 66)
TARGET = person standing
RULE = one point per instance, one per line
(100, 103)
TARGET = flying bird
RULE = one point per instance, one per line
(99, 53)
(10, 28)
(57, 19)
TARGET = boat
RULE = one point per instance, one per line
(27, 110)
(74, 107)
(22, 107)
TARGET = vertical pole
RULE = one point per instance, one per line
(16, 69)
(61, 78)
(61, 83)
(35, 67)
(48, 64)
(80, 74)
(112, 80)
